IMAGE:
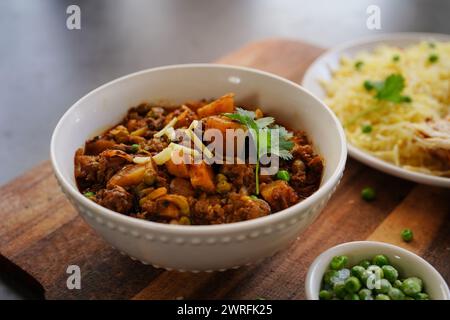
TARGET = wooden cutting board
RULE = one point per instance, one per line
(41, 234)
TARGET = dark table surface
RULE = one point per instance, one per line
(45, 68)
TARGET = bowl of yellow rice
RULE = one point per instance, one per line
(391, 93)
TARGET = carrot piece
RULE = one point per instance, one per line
(221, 105)
(222, 123)
(178, 170)
(202, 177)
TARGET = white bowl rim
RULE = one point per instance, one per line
(359, 154)
(309, 284)
(201, 229)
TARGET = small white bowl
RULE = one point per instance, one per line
(407, 263)
(199, 248)
(322, 68)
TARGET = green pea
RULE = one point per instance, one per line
(368, 194)
(134, 148)
(407, 235)
(390, 273)
(364, 263)
(343, 274)
(397, 284)
(377, 271)
(418, 280)
(358, 65)
(382, 297)
(380, 260)
(330, 277)
(371, 276)
(351, 296)
(358, 272)
(339, 290)
(421, 296)
(283, 175)
(365, 294)
(365, 276)
(352, 285)
(89, 194)
(432, 58)
(383, 286)
(366, 128)
(326, 286)
(396, 294)
(184, 220)
(411, 286)
(325, 295)
(368, 85)
(396, 58)
(338, 262)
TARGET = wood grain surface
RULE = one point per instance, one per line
(41, 234)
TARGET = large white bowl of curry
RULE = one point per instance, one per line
(200, 247)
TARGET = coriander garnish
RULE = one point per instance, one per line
(261, 132)
(389, 89)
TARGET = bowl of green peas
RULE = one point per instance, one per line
(369, 270)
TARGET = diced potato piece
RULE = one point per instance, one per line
(279, 194)
(120, 133)
(178, 170)
(221, 105)
(133, 174)
(202, 177)
(182, 187)
(128, 176)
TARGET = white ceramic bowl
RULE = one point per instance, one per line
(322, 67)
(199, 248)
(407, 263)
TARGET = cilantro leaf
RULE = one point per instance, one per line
(261, 131)
(265, 122)
(389, 89)
(245, 113)
(283, 132)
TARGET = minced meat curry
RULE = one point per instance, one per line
(129, 168)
